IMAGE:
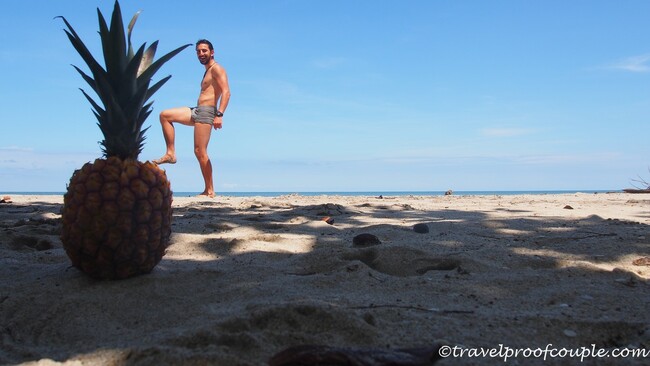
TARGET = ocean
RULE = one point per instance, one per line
(372, 193)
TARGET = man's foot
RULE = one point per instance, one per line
(167, 159)
(208, 195)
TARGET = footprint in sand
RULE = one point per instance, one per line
(22, 243)
(401, 261)
(302, 321)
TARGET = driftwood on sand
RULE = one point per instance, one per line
(630, 190)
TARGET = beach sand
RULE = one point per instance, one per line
(247, 277)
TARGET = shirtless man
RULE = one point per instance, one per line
(205, 116)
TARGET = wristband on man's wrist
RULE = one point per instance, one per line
(219, 114)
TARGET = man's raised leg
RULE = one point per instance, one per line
(168, 117)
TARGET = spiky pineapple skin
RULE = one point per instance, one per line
(117, 218)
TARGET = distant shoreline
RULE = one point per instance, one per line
(361, 193)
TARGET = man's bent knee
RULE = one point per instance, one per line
(165, 116)
(180, 115)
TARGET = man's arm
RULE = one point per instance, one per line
(221, 78)
(219, 74)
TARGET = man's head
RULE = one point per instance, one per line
(204, 51)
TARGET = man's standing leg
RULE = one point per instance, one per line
(202, 133)
(182, 115)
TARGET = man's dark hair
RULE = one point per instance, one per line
(205, 41)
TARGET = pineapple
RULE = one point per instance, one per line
(117, 211)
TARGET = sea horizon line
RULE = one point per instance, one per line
(375, 193)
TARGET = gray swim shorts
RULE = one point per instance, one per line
(204, 114)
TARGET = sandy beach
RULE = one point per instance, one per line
(245, 278)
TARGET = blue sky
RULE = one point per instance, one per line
(357, 95)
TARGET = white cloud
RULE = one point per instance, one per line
(9, 149)
(569, 159)
(634, 64)
(28, 158)
(505, 132)
(328, 63)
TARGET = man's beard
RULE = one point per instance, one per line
(205, 61)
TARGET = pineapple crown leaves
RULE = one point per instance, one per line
(123, 86)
